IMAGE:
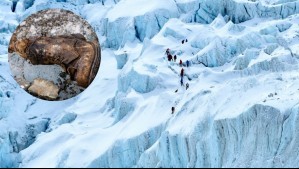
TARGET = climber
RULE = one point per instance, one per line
(182, 72)
(183, 41)
(174, 58)
(172, 110)
(186, 40)
(169, 57)
(182, 82)
(188, 63)
(187, 86)
(167, 51)
(181, 62)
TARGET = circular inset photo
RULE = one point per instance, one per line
(54, 54)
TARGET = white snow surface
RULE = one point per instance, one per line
(137, 8)
(242, 110)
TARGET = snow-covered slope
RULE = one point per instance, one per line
(240, 111)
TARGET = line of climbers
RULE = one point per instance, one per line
(171, 58)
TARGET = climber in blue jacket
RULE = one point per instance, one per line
(188, 63)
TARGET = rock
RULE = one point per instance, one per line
(63, 74)
(45, 89)
(23, 83)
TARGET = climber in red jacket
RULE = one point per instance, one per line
(182, 72)
(169, 57)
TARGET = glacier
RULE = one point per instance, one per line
(241, 109)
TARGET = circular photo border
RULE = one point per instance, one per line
(54, 54)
